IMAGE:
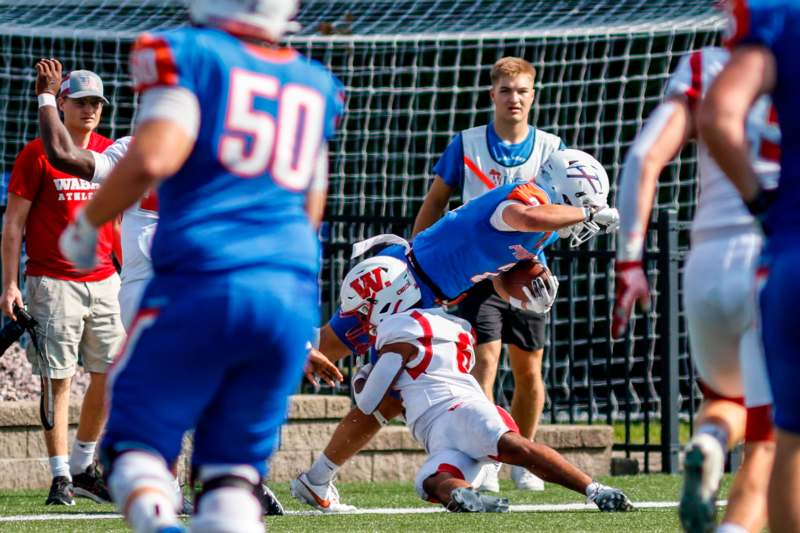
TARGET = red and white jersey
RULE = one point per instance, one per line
(138, 222)
(438, 377)
(719, 204)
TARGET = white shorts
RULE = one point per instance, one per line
(130, 294)
(455, 462)
(721, 312)
(462, 439)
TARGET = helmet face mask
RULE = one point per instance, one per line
(377, 288)
(573, 177)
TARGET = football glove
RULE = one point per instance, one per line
(540, 295)
(78, 243)
(631, 285)
(607, 218)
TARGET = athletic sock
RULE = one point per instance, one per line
(59, 466)
(149, 510)
(82, 456)
(717, 432)
(727, 527)
(322, 471)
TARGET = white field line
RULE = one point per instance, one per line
(523, 508)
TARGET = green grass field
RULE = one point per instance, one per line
(400, 495)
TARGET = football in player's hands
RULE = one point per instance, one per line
(512, 282)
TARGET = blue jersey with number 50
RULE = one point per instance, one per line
(265, 116)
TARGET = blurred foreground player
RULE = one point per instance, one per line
(764, 61)
(426, 356)
(239, 127)
(138, 222)
(719, 281)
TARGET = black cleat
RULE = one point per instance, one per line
(469, 500)
(270, 503)
(60, 492)
(90, 485)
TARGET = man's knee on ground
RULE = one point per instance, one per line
(439, 486)
(227, 502)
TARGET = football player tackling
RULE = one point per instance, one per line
(426, 356)
(477, 241)
(233, 130)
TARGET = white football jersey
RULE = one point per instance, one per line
(438, 377)
(138, 221)
(482, 173)
(719, 204)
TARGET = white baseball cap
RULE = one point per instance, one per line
(80, 83)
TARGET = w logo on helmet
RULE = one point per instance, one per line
(369, 284)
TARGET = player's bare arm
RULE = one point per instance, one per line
(549, 217)
(319, 365)
(750, 73)
(317, 195)
(161, 148)
(14, 219)
(667, 130)
(61, 151)
(433, 205)
(330, 345)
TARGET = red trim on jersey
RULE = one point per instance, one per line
(275, 55)
(759, 426)
(425, 340)
(711, 394)
(149, 201)
(455, 406)
(479, 173)
(507, 420)
(695, 92)
(769, 150)
(446, 468)
(166, 71)
(741, 20)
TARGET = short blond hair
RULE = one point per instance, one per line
(511, 67)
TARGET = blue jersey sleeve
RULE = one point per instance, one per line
(450, 166)
(758, 22)
(163, 60)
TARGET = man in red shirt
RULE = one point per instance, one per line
(77, 311)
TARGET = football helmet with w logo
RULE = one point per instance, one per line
(573, 177)
(377, 288)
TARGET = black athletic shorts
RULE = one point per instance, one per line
(493, 318)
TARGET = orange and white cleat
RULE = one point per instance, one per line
(323, 497)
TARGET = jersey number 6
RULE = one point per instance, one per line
(254, 142)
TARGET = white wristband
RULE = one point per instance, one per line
(46, 99)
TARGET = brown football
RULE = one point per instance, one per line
(520, 275)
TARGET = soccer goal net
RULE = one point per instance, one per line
(416, 73)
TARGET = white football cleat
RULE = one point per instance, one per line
(490, 481)
(524, 479)
(703, 467)
(323, 497)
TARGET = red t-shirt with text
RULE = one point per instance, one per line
(55, 197)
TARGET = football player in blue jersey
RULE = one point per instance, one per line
(477, 241)
(233, 130)
(766, 33)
